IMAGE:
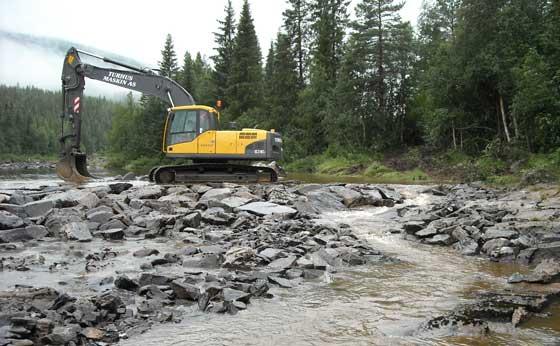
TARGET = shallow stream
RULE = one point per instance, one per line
(369, 305)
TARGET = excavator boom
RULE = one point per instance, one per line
(72, 165)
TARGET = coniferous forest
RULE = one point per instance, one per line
(30, 122)
(476, 78)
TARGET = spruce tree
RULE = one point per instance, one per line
(186, 77)
(203, 81)
(168, 63)
(244, 92)
(315, 103)
(296, 24)
(376, 23)
(328, 33)
(224, 40)
(281, 84)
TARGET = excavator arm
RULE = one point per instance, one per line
(72, 165)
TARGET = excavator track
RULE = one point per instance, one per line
(212, 172)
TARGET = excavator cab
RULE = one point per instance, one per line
(184, 124)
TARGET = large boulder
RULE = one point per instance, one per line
(216, 194)
(217, 216)
(350, 198)
(267, 208)
(184, 290)
(117, 188)
(38, 208)
(22, 234)
(499, 231)
(9, 220)
(495, 244)
(325, 201)
(229, 203)
(545, 251)
(546, 272)
(179, 198)
(145, 192)
(60, 217)
(73, 198)
(100, 217)
(77, 231)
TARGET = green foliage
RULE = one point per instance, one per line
(224, 40)
(376, 169)
(168, 64)
(30, 122)
(186, 76)
(296, 24)
(281, 85)
(244, 91)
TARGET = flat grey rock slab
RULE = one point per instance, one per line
(267, 208)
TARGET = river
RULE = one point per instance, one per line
(369, 305)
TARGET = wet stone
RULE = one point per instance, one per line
(93, 333)
(493, 233)
(112, 234)
(283, 263)
(9, 220)
(203, 261)
(192, 220)
(216, 194)
(113, 224)
(267, 208)
(217, 216)
(117, 188)
(230, 295)
(495, 244)
(145, 252)
(77, 231)
(427, 232)
(38, 208)
(185, 290)
(125, 283)
(285, 283)
(73, 198)
(270, 254)
(412, 227)
(23, 234)
(100, 217)
(440, 239)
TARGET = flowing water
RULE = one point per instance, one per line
(371, 305)
(379, 304)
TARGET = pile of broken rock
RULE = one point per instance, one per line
(237, 241)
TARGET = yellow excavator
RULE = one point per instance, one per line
(191, 131)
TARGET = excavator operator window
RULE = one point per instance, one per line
(183, 127)
(187, 124)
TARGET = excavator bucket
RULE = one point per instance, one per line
(72, 167)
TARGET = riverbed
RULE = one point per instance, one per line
(372, 304)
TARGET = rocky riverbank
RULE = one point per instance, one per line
(105, 261)
(503, 226)
(159, 250)
(26, 165)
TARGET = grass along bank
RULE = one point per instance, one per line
(420, 165)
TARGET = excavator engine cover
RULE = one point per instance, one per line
(73, 167)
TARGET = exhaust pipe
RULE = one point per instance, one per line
(72, 167)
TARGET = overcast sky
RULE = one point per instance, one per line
(132, 28)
